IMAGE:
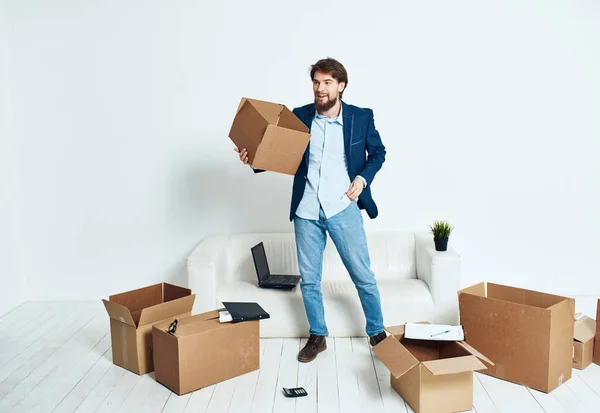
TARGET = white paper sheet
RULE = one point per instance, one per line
(436, 332)
(224, 316)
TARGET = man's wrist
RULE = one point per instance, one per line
(364, 181)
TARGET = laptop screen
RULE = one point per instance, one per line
(260, 261)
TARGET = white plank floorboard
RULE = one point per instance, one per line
(199, 400)
(264, 394)
(368, 388)
(307, 378)
(584, 392)
(328, 399)
(288, 375)
(509, 397)
(175, 403)
(347, 380)
(56, 357)
(482, 403)
(89, 382)
(548, 401)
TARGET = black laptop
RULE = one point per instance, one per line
(265, 278)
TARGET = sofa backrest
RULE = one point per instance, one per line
(392, 256)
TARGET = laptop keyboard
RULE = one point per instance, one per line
(283, 279)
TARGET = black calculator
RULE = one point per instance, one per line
(295, 392)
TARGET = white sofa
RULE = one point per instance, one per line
(415, 282)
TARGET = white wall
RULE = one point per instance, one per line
(489, 111)
(12, 283)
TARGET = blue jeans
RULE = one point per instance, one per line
(348, 234)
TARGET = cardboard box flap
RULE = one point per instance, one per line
(140, 298)
(395, 356)
(477, 289)
(287, 119)
(118, 312)
(396, 331)
(173, 308)
(173, 292)
(268, 110)
(248, 128)
(585, 329)
(454, 365)
(474, 352)
(523, 296)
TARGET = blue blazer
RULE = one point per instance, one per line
(360, 138)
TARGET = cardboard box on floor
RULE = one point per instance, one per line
(528, 334)
(203, 351)
(431, 376)
(597, 340)
(273, 136)
(132, 315)
(583, 342)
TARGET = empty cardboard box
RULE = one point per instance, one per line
(597, 341)
(132, 315)
(583, 342)
(273, 136)
(203, 351)
(528, 334)
(431, 376)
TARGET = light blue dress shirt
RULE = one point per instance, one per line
(327, 179)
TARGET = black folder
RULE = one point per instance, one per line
(245, 311)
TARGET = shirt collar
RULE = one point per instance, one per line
(339, 119)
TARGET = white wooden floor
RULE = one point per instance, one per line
(56, 357)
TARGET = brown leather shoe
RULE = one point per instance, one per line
(376, 339)
(314, 346)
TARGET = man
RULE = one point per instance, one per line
(331, 186)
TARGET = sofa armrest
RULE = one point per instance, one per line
(439, 269)
(206, 266)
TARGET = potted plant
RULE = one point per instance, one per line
(441, 231)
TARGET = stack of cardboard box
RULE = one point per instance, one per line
(202, 350)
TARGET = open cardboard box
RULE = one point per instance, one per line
(203, 351)
(528, 334)
(273, 136)
(431, 376)
(132, 315)
(583, 342)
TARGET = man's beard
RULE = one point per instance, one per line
(325, 106)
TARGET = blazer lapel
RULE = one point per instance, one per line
(348, 130)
